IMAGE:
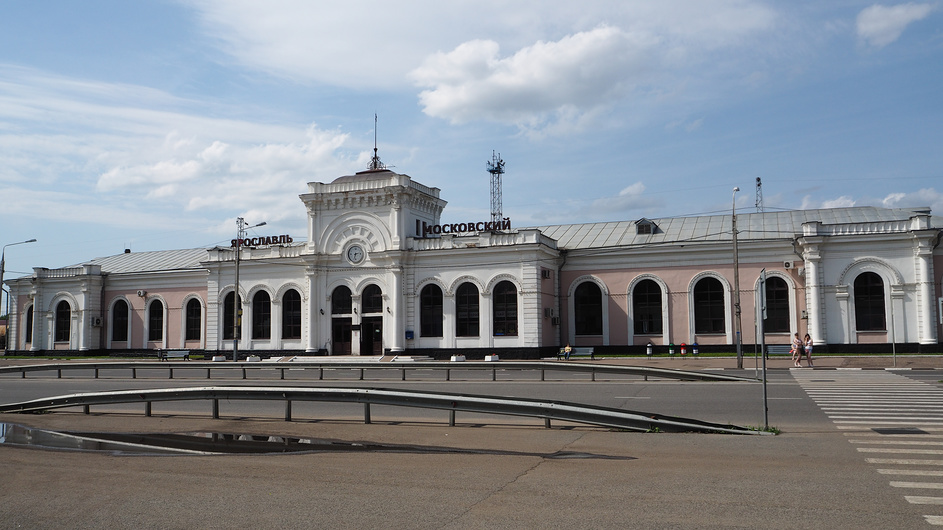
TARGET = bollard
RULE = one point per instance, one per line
(649, 349)
(694, 349)
(671, 349)
(684, 349)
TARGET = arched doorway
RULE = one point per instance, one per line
(371, 324)
(341, 321)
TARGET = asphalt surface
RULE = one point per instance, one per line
(503, 475)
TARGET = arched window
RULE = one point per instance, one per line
(430, 311)
(466, 309)
(341, 301)
(372, 299)
(29, 325)
(709, 311)
(646, 308)
(229, 314)
(291, 315)
(869, 302)
(261, 316)
(63, 322)
(194, 320)
(504, 305)
(777, 305)
(587, 309)
(155, 321)
(119, 321)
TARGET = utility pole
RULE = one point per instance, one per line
(236, 298)
(736, 282)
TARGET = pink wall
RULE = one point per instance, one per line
(678, 279)
(173, 299)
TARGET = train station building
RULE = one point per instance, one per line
(380, 272)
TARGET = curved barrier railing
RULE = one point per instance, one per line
(548, 410)
(494, 367)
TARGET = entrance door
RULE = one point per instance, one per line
(371, 336)
(341, 336)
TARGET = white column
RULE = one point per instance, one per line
(848, 325)
(275, 342)
(812, 259)
(923, 254)
(397, 304)
(485, 321)
(448, 320)
(313, 321)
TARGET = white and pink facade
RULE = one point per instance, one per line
(380, 271)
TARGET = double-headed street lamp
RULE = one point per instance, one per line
(3, 264)
(236, 298)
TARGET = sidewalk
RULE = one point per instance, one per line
(783, 362)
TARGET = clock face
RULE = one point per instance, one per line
(355, 254)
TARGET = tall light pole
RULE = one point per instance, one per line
(736, 281)
(3, 265)
(236, 299)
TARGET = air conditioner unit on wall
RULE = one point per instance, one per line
(548, 312)
(96, 321)
(555, 321)
(142, 292)
(788, 264)
(545, 274)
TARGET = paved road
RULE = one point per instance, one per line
(813, 475)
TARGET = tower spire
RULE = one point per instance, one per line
(375, 164)
(759, 195)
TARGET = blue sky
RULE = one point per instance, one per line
(154, 124)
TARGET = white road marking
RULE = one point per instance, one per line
(910, 411)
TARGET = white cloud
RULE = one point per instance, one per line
(924, 197)
(845, 201)
(376, 42)
(564, 63)
(630, 199)
(540, 83)
(881, 25)
(140, 157)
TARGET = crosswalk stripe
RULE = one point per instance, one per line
(912, 472)
(894, 442)
(900, 451)
(923, 500)
(918, 485)
(934, 519)
(904, 461)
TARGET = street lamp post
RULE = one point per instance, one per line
(236, 299)
(736, 281)
(3, 264)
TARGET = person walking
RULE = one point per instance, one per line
(796, 350)
(807, 348)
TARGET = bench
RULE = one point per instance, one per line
(166, 355)
(778, 349)
(577, 352)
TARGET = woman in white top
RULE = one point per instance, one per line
(807, 347)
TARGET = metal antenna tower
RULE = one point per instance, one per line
(759, 195)
(496, 168)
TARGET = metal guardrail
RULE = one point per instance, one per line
(494, 367)
(548, 410)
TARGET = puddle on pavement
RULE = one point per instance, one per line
(207, 443)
